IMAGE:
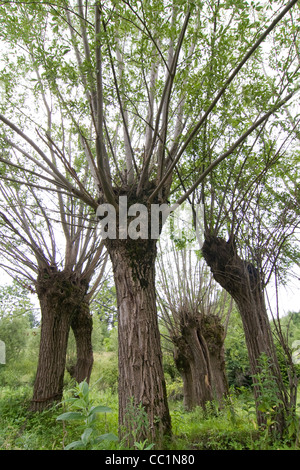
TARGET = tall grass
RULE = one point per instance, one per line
(232, 428)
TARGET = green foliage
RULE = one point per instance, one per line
(231, 428)
(22, 430)
(236, 356)
(17, 330)
(15, 301)
(228, 428)
(14, 333)
(175, 389)
(106, 368)
(268, 391)
(110, 342)
(137, 426)
(86, 414)
(290, 325)
(270, 402)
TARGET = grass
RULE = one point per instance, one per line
(232, 428)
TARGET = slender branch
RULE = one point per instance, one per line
(84, 79)
(164, 102)
(196, 129)
(233, 147)
(40, 257)
(35, 161)
(99, 82)
(102, 159)
(149, 34)
(127, 141)
(59, 175)
(87, 52)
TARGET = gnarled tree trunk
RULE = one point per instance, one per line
(182, 358)
(59, 295)
(141, 377)
(82, 327)
(242, 281)
(199, 358)
(192, 360)
(213, 332)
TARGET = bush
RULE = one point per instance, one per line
(84, 412)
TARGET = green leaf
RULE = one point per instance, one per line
(84, 388)
(79, 404)
(74, 445)
(86, 435)
(100, 409)
(106, 437)
(70, 415)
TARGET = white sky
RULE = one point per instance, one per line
(289, 296)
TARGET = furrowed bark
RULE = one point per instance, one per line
(59, 295)
(141, 378)
(242, 281)
(82, 327)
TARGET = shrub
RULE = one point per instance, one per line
(85, 413)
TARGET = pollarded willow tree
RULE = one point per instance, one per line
(250, 201)
(195, 314)
(60, 260)
(133, 79)
(49, 246)
(251, 222)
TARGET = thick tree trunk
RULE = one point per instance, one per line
(59, 296)
(213, 332)
(242, 281)
(192, 362)
(82, 327)
(182, 356)
(199, 358)
(141, 377)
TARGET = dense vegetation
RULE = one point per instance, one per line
(231, 428)
(134, 108)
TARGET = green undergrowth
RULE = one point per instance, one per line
(225, 429)
(232, 428)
